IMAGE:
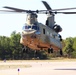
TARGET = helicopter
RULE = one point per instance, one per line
(38, 36)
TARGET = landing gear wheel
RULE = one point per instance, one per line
(35, 52)
(61, 52)
(50, 50)
(25, 49)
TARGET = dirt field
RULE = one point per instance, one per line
(38, 67)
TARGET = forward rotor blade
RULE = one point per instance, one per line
(15, 9)
(6, 11)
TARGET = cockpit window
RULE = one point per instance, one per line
(35, 27)
(32, 27)
(26, 27)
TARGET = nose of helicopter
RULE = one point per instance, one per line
(28, 31)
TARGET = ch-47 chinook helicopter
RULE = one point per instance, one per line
(37, 36)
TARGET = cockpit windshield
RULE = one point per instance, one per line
(35, 27)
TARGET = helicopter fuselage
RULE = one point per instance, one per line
(39, 37)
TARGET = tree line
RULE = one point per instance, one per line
(11, 49)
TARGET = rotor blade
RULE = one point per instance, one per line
(6, 11)
(65, 12)
(39, 11)
(15, 9)
(47, 6)
(64, 9)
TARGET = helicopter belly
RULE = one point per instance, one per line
(34, 42)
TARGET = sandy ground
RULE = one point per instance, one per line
(38, 67)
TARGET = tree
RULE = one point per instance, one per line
(74, 44)
(15, 44)
(69, 46)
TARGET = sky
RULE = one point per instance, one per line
(10, 22)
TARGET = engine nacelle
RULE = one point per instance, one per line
(57, 28)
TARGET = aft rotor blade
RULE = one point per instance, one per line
(64, 9)
(47, 6)
(50, 10)
(66, 12)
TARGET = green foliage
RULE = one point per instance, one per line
(70, 47)
(73, 54)
(10, 46)
(74, 44)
